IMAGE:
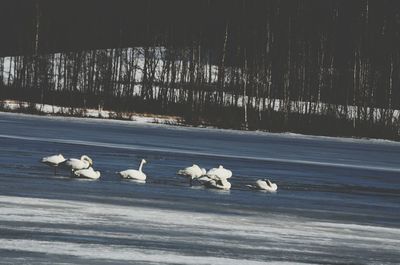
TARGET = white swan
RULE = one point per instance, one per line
(77, 164)
(192, 172)
(219, 172)
(221, 184)
(133, 173)
(203, 179)
(88, 173)
(53, 161)
(265, 184)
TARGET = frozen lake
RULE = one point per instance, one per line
(338, 200)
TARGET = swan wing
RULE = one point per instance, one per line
(219, 184)
(227, 173)
(263, 185)
(76, 164)
(81, 172)
(193, 171)
(87, 173)
(73, 162)
(212, 171)
(220, 172)
(53, 160)
(224, 185)
(132, 174)
(203, 179)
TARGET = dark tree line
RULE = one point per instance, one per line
(324, 67)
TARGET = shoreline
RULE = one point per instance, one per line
(36, 109)
(52, 111)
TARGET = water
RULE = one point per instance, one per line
(338, 200)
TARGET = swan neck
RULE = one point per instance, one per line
(141, 165)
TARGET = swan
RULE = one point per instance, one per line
(76, 164)
(265, 184)
(203, 179)
(53, 161)
(87, 173)
(219, 172)
(133, 173)
(221, 184)
(192, 172)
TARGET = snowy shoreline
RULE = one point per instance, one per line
(52, 110)
(47, 110)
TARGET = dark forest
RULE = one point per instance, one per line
(328, 67)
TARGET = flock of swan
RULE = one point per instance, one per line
(216, 178)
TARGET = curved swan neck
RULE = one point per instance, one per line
(87, 159)
(269, 183)
(141, 165)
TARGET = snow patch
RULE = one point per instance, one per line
(11, 105)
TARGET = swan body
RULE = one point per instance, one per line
(192, 172)
(219, 172)
(77, 164)
(88, 173)
(221, 184)
(53, 161)
(203, 179)
(133, 173)
(264, 184)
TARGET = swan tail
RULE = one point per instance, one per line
(181, 172)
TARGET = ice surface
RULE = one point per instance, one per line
(134, 233)
(337, 202)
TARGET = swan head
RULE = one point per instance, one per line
(144, 161)
(220, 166)
(88, 159)
(268, 182)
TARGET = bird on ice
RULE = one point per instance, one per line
(219, 172)
(87, 173)
(133, 173)
(221, 184)
(77, 164)
(53, 161)
(264, 184)
(192, 172)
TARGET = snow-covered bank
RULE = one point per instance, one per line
(23, 106)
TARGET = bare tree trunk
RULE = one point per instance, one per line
(245, 76)
(221, 70)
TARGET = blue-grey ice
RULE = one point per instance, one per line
(338, 200)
